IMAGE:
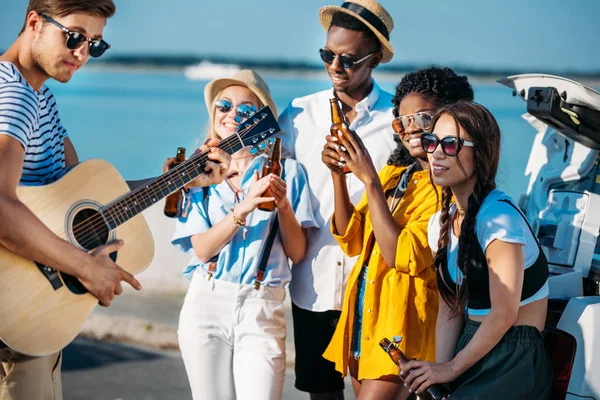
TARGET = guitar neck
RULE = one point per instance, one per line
(128, 206)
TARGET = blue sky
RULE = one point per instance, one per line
(531, 35)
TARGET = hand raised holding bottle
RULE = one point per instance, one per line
(351, 150)
(254, 197)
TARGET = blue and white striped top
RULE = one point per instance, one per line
(31, 117)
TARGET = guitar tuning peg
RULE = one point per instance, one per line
(253, 151)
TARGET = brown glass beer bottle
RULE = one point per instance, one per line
(337, 119)
(173, 201)
(272, 166)
(433, 392)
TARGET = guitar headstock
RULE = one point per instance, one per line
(258, 127)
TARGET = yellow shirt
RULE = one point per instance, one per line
(401, 300)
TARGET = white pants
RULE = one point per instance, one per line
(232, 339)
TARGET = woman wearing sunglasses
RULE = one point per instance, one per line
(391, 289)
(232, 328)
(491, 272)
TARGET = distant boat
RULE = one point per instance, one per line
(207, 70)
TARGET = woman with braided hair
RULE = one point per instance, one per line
(491, 272)
(391, 289)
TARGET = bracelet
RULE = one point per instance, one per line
(236, 220)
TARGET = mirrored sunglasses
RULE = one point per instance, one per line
(422, 121)
(75, 40)
(347, 62)
(243, 111)
(451, 145)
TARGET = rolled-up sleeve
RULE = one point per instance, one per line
(194, 222)
(299, 194)
(351, 241)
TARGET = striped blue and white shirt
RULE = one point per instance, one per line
(31, 117)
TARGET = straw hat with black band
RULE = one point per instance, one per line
(370, 13)
(246, 78)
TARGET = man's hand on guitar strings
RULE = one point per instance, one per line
(216, 167)
(102, 277)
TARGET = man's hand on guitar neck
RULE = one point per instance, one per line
(103, 277)
(216, 168)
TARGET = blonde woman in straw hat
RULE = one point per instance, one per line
(231, 333)
(357, 42)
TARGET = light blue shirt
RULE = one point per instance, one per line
(239, 259)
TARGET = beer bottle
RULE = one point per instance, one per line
(272, 166)
(433, 392)
(173, 201)
(337, 119)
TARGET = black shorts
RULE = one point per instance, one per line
(312, 333)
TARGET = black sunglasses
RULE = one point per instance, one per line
(75, 40)
(328, 56)
(451, 145)
(243, 111)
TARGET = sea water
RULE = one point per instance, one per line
(135, 119)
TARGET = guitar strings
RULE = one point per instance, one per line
(90, 225)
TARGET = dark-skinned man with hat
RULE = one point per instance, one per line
(357, 43)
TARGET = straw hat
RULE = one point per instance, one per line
(370, 13)
(246, 78)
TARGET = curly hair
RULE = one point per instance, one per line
(485, 133)
(440, 85)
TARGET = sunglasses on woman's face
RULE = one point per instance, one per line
(75, 40)
(242, 111)
(422, 121)
(328, 56)
(451, 145)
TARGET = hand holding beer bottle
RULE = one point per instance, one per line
(272, 166)
(433, 392)
(337, 121)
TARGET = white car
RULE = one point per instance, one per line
(563, 204)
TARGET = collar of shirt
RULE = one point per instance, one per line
(367, 104)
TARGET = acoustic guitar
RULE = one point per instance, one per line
(42, 309)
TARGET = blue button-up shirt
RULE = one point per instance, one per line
(239, 259)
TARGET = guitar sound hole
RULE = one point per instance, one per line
(89, 231)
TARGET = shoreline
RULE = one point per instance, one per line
(381, 74)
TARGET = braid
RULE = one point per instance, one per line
(441, 256)
(469, 256)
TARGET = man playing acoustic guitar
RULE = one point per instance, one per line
(58, 37)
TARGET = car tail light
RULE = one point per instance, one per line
(561, 347)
